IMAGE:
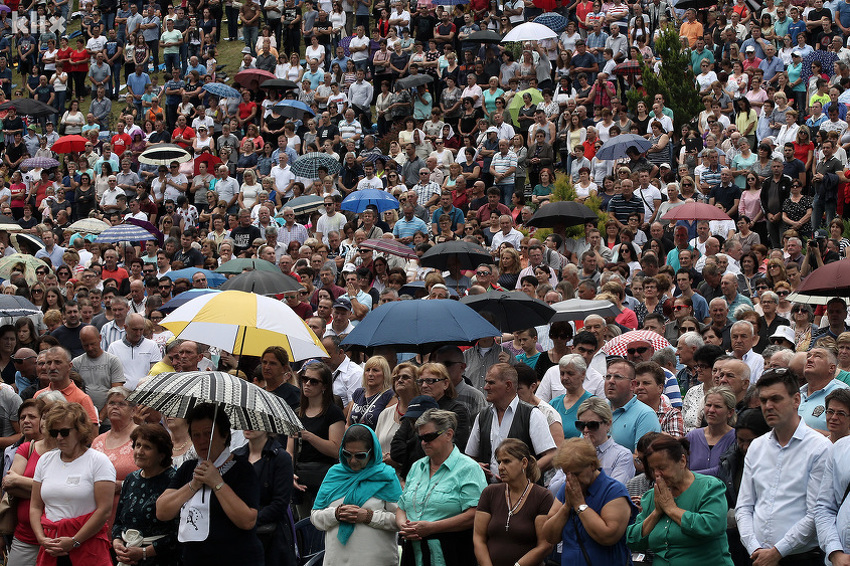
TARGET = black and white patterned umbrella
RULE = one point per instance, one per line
(174, 394)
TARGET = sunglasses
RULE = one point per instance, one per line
(359, 456)
(64, 432)
(640, 351)
(482, 273)
(679, 307)
(590, 425)
(430, 437)
(783, 293)
(311, 381)
(21, 360)
(428, 380)
(688, 329)
(37, 291)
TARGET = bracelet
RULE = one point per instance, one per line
(144, 553)
(192, 488)
(336, 514)
(369, 516)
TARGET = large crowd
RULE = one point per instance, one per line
(716, 434)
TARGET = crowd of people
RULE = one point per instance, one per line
(718, 435)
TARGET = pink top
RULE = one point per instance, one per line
(122, 459)
(750, 204)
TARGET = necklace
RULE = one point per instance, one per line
(513, 509)
(181, 447)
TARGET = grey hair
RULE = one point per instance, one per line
(784, 356)
(598, 407)
(740, 310)
(443, 420)
(717, 300)
(746, 323)
(574, 360)
(692, 339)
(53, 397)
(594, 317)
(770, 295)
(119, 390)
(664, 357)
(797, 240)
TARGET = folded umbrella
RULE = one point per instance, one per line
(565, 213)
(359, 200)
(512, 310)
(262, 283)
(616, 147)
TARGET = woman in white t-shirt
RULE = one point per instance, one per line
(315, 51)
(73, 488)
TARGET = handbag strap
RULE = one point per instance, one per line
(581, 544)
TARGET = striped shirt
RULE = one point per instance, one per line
(350, 129)
(298, 234)
(111, 333)
(502, 163)
(620, 208)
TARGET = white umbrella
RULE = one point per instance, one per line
(529, 31)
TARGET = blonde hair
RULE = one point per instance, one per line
(575, 453)
(440, 370)
(379, 362)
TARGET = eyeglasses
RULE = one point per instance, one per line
(834, 413)
(360, 456)
(54, 432)
(640, 351)
(431, 436)
(311, 381)
(22, 360)
(590, 425)
(482, 273)
(680, 307)
(783, 293)
(428, 381)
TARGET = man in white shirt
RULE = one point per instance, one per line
(137, 353)
(507, 233)
(347, 376)
(782, 476)
(649, 195)
(283, 176)
(360, 94)
(370, 181)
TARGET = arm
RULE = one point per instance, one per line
(329, 447)
(15, 482)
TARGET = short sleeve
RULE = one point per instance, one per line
(485, 503)
(102, 468)
(41, 466)
(23, 450)
(472, 486)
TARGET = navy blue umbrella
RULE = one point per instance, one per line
(359, 200)
(552, 20)
(213, 279)
(183, 298)
(615, 148)
(420, 326)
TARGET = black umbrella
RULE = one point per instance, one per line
(16, 306)
(566, 213)
(412, 81)
(469, 256)
(484, 36)
(279, 84)
(29, 107)
(511, 310)
(261, 283)
(164, 154)
(9, 224)
(695, 4)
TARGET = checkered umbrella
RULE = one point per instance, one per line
(627, 68)
(39, 163)
(221, 90)
(552, 20)
(619, 345)
(307, 165)
(247, 406)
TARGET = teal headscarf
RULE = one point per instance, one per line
(375, 480)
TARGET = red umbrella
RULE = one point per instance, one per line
(831, 280)
(69, 144)
(619, 345)
(208, 158)
(626, 68)
(696, 211)
(387, 246)
(249, 76)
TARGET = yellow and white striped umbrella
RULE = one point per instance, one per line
(244, 323)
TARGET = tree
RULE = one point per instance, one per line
(674, 80)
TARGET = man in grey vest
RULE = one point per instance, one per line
(507, 417)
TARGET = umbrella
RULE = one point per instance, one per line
(164, 154)
(413, 81)
(183, 298)
(279, 84)
(517, 102)
(213, 279)
(468, 255)
(39, 163)
(416, 289)
(221, 90)
(307, 165)
(29, 107)
(359, 200)
(9, 224)
(529, 31)
(566, 213)
(808, 299)
(248, 407)
(305, 204)
(157, 235)
(248, 76)
(373, 157)
(5, 8)
(619, 345)
(68, 144)
(512, 310)
(26, 243)
(420, 325)
(25, 263)
(484, 36)
(240, 264)
(552, 20)
(615, 148)
(695, 4)
(628, 68)
(262, 283)
(294, 109)
(244, 324)
(695, 211)
(14, 306)
(831, 280)
(388, 246)
(125, 232)
(579, 309)
(208, 158)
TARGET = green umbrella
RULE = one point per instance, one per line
(517, 102)
(239, 264)
(25, 263)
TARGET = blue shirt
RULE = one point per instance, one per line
(455, 214)
(750, 41)
(405, 228)
(771, 67)
(315, 79)
(795, 28)
(137, 83)
(813, 407)
(842, 10)
(632, 421)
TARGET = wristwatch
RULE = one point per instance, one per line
(581, 509)
(76, 543)
(221, 485)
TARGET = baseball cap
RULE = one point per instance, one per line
(750, 49)
(492, 129)
(418, 405)
(349, 268)
(342, 303)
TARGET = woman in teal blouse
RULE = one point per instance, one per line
(683, 519)
(572, 368)
(436, 510)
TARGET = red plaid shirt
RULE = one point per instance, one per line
(670, 418)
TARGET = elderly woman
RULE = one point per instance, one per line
(154, 542)
(801, 321)
(594, 422)
(572, 369)
(356, 504)
(436, 524)
(404, 384)
(518, 500)
(838, 414)
(683, 519)
(375, 395)
(692, 404)
(116, 443)
(72, 490)
(709, 443)
(591, 510)
(18, 481)
(220, 494)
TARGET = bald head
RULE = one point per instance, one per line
(90, 341)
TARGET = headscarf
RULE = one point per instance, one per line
(377, 479)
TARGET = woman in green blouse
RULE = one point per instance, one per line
(683, 519)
